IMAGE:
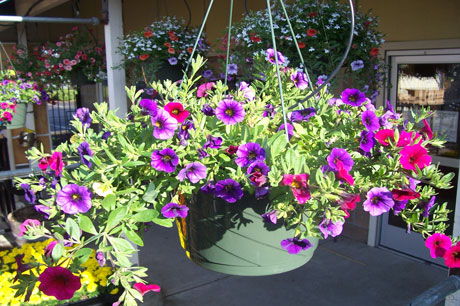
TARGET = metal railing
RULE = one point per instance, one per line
(437, 293)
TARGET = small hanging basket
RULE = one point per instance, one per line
(19, 117)
(232, 238)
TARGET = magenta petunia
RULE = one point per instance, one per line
(195, 172)
(230, 111)
(342, 173)
(27, 223)
(177, 111)
(405, 194)
(143, 288)
(165, 160)
(299, 186)
(74, 199)
(173, 210)
(452, 256)
(163, 125)
(379, 200)
(353, 97)
(385, 136)
(426, 130)
(414, 156)
(405, 138)
(438, 244)
(56, 163)
(204, 89)
(59, 282)
(295, 245)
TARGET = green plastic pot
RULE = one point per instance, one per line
(232, 238)
(19, 117)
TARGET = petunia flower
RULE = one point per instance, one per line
(379, 200)
(426, 130)
(452, 256)
(232, 69)
(405, 138)
(405, 194)
(212, 142)
(204, 89)
(342, 155)
(183, 133)
(172, 60)
(290, 129)
(165, 160)
(163, 125)
(208, 110)
(84, 150)
(26, 224)
(348, 202)
(327, 227)
(353, 97)
(426, 206)
(149, 107)
(271, 57)
(299, 79)
(229, 190)
(177, 111)
(29, 194)
(207, 74)
(367, 141)
(230, 111)
(399, 206)
(231, 150)
(249, 93)
(100, 257)
(56, 163)
(438, 244)
(59, 282)
(414, 156)
(249, 153)
(302, 115)
(83, 115)
(258, 166)
(143, 288)
(174, 210)
(74, 199)
(299, 186)
(370, 120)
(295, 245)
(271, 216)
(43, 209)
(357, 65)
(48, 250)
(195, 172)
(269, 111)
(342, 173)
(384, 136)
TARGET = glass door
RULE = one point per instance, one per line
(427, 80)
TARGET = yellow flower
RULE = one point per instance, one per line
(114, 291)
(102, 190)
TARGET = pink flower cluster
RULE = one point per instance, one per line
(440, 245)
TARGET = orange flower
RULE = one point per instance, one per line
(311, 32)
(301, 45)
(189, 50)
(148, 34)
(143, 57)
(171, 50)
(374, 52)
(167, 45)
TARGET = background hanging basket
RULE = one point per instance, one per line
(233, 238)
(19, 117)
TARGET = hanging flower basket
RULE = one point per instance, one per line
(234, 239)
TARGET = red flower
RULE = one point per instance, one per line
(189, 50)
(452, 256)
(405, 194)
(255, 38)
(231, 150)
(426, 130)
(171, 50)
(412, 156)
(174, 38)
(374, 52)
(299, 186)
(59, 282)
(143, 288)
(143, 57)
(170, 33)
(177, 111)
(354, 46)
(384, 136)
(348, 202)
(148, 34)
(301, 45)
(311, 32)
(166, 44)
(313, 14)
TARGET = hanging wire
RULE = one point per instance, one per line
(277, 68)
(296, 44)
(246, 7)
(189, 14)
(229, 37)
(336, 70)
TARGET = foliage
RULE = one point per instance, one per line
(312, 171)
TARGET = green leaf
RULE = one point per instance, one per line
(164, 222)
(145, 215)
(58, 252)
(151, 193)
(72, 229)
(84, 254)
(109, 202)
(86, 225)
(116, 216)
(134, 163)
(134, 237)
(122, 245)
(277, 144)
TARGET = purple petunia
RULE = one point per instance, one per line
(174, 210)
(249, 93)
(370, 120)
(399, 206)
(165, 160)
(426, 206)
(271, 57)
(300, 79)
(83, 115)
(258, 166)
(302, 115)
(327, 227)
(230, 111)
(45, 210)
(269, 111)
(207, 74)
(172, 61)
(194, 172)
(29, 194)
(106, 135)
(357, 65)
(212, 142)
(229, 190)
(249, 153)
(74, 199)
(100, 257)
(260, 192)
(367, 141)
(290, 129)
(84, 150)
(208, 110)
(209, 187)
(295, 245)
(202, 154)
(232, 69)
(163, 125)
(183, 133)
(343, 156)
(149, 107)
(271, 216)
(379, 201)
(353, 97)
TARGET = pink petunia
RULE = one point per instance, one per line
(143, 288)
(452, 256)
(177, 111)
(412, 156)
(438, 244)
(405, 138)
(203, 89)
(29, 222)
(426, 130)
(56, 163)
(384, 136)
(342, 173)
(405, 194)
(7, 116)
(299, 186)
